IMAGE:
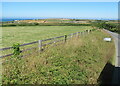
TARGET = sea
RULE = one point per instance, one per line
(12, 19)
(5, 20)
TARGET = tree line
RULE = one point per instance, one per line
(105, 25)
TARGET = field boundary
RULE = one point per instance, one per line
(40, 42)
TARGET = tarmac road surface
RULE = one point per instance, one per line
(116, 75)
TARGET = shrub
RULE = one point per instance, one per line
(16, 49)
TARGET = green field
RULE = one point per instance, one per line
(78, 61)
(26, 34)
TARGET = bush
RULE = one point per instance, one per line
(16, 49)
(45, 24)
(102, 24)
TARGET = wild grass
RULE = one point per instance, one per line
(78, 61)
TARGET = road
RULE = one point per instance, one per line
(116, 38)
(116, 75)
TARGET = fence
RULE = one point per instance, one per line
(41, 42)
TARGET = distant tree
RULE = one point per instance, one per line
(36, 23)
(103, 24)
(99, 24)
(77, 20)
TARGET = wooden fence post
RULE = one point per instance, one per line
(54, 40)
(65, 38)
(71, 35)
(80, 33)
(88, 31)
(40, 45)
(83, 33)
(77, 34)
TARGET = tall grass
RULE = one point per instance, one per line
(78, 61)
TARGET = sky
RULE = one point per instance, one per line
(60, 0)
(84, 10)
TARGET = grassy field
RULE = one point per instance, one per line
(78, 61)
(25, 34)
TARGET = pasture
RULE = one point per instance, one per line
(25, 34)
(78, 61)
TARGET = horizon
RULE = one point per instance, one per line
(77, 10)
(12, 19)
